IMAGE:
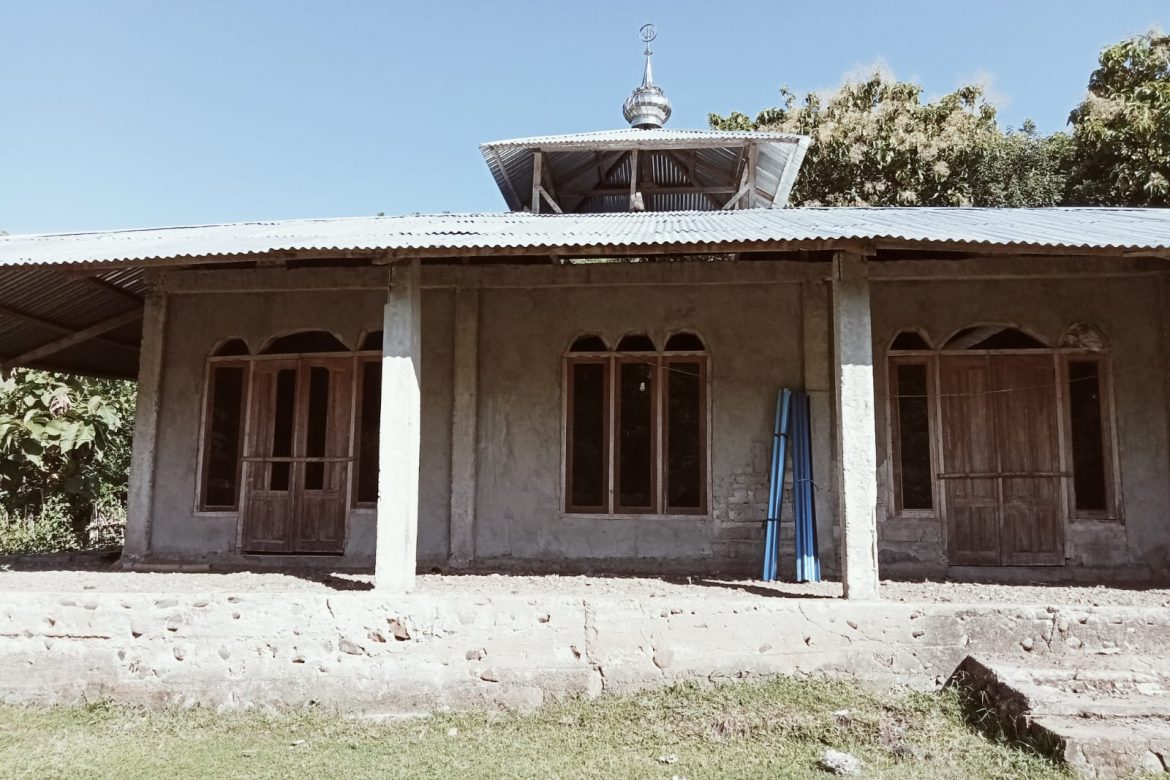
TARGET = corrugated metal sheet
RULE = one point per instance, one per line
(581, 159)
(653, 135)
(562, 233)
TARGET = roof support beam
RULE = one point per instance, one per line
(507, 180)
(633, 178)
(743, 190)
(73, 339)
(32, 319)
(537, 164)
(115, 289)
(753, 164)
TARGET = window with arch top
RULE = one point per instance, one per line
(636, 425)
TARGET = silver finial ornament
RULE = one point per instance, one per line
(647, 108)
(647, 33)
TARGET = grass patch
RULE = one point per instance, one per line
(776, 729)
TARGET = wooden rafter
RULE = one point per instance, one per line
(73, 339)
(32, 319)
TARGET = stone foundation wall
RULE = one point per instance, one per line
(366, 652)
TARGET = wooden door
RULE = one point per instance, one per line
(969, 461)
(268, 457)
(324, 457)
(298, 456)
(1001, 460)
(1032, 528)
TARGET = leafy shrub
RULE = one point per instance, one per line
(64, 460)
(49, 530)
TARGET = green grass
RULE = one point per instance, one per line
(765, 730)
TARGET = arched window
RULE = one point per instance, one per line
(231, 348)
(588, 344)
(636, 342)
(979, 337)
(910, 341)
(1014, 412)
(639, 414)
(304, 342)
(309, 403)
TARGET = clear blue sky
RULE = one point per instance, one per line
(128, 114)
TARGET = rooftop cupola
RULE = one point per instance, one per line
(647, 107)
(646, 167)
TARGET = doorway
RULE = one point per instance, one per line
(298, 456)
(1002, 477)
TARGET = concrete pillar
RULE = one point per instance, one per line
(140, 492)
(399, 438)
(856, 427)
(463, 427)
(818, 383)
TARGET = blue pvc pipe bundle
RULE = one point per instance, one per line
(792, 429)
(808, 562)
(776, 485)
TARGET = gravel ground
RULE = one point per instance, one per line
(18, 579)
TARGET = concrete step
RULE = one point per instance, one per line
(1106, 716)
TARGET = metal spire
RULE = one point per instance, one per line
(647, 107)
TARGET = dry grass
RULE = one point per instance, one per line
(775, 729)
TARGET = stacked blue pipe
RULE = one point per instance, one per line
(776, 485)
(792, 429)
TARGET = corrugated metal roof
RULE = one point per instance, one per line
(654, 136)
(563, 233)
(578, 164)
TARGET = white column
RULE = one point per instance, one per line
(140, 493)
(463, 428)
(856, 427)
(399, 434)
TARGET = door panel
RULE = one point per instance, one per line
(298, 456)
(323, 474)
(1029, 453)
(1001, 460)
(267, 506)
(972, 502)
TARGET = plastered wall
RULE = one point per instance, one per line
(753, 336)
(196, 323)
(1129, 311)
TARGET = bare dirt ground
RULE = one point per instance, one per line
(106, 579)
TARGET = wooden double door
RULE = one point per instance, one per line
(1002, 479)
(298, 455)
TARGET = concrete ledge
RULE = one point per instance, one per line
(362, 651)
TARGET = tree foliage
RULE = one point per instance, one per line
(876, 142)
(1121, 131)
(64, 446)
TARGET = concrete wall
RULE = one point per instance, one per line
(198, 322)
(754, 332)
(421, 652)
(753, 336)
(766, 325)
(1129, 312)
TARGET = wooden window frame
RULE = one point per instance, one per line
(669, 359)
(1112, 510)
(361, 360)
(213, 364)
(1061, 357)
(656, 433)
(893, 423)
(660, 361)
(248, 362)
(606, 362)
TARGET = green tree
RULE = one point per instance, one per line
(64, 448)
(1121, 131)
(877, 143)
(1021, 168)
